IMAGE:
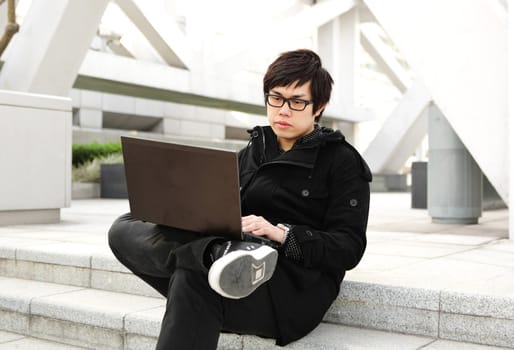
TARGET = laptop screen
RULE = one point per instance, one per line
(192, 188)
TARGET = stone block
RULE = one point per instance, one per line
(13, 321)
(385, 317)
(92, 307)
(71, 254)
(16, 295)
(139, 342)
(26, 343)
(406, 310)
(78, 334)
(334, 337)
(228, 341)
(83, 190)
(6, 250)
(70, 275)
(391, 295)
(146, 323)
(477, 329)
(257, 343)
(6, 337)
(501, 307)
(7, 267)
(107, 262)
(453, 345)
(121, 282)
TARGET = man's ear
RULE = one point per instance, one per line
(320, 110)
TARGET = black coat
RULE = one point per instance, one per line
(322, 188)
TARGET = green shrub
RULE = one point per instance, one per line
(89, 171)
(82, 153)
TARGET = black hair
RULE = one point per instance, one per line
(298, 67)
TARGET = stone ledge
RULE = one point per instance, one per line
(377, 306)
(53, 311)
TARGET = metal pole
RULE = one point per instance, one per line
(11, 28)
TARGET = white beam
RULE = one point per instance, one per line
(462, 57)
(123, 69)
(303, 23)
(401, 133)
(338, 45)
(47, 52)
(163, 34)
(118, 48)
(121, 75)
(385, 58)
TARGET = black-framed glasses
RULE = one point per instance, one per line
(296, 104)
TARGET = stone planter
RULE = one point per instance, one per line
(85, 190)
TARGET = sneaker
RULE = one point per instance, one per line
(240, 267)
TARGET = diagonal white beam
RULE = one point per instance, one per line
(47, 52)
(119, 49)
(401, 133)
(462, 57)
(385, 58)
(163, 34)
(303, 23)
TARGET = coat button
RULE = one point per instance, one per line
(305, 193)
(353, 202)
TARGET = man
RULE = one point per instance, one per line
(303, 187)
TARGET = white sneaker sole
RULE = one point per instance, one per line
(239, 273)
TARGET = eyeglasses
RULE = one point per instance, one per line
(296, 104)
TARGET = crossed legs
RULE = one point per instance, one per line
(172, 261)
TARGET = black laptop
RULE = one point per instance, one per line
(188, 187)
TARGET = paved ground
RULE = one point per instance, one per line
(404, 249)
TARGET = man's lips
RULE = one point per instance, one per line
(282, 124)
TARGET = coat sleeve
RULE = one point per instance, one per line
(341, 242)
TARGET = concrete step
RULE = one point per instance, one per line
(85, 267)
(11, 341)
(94, 319)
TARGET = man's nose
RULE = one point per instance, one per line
(285, 109)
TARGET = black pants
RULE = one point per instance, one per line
(171, 261)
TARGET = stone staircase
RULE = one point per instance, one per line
(62, 284)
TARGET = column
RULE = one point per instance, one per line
(454, 178)
(338, 45)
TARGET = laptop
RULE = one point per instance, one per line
(188, 187)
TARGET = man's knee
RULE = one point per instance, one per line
(118, 231)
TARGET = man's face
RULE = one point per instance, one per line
(288, 124)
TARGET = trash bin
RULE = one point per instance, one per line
(112, 181)
(419, 185)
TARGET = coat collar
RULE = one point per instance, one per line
(303, 154)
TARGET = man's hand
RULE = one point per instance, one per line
(259, 226)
